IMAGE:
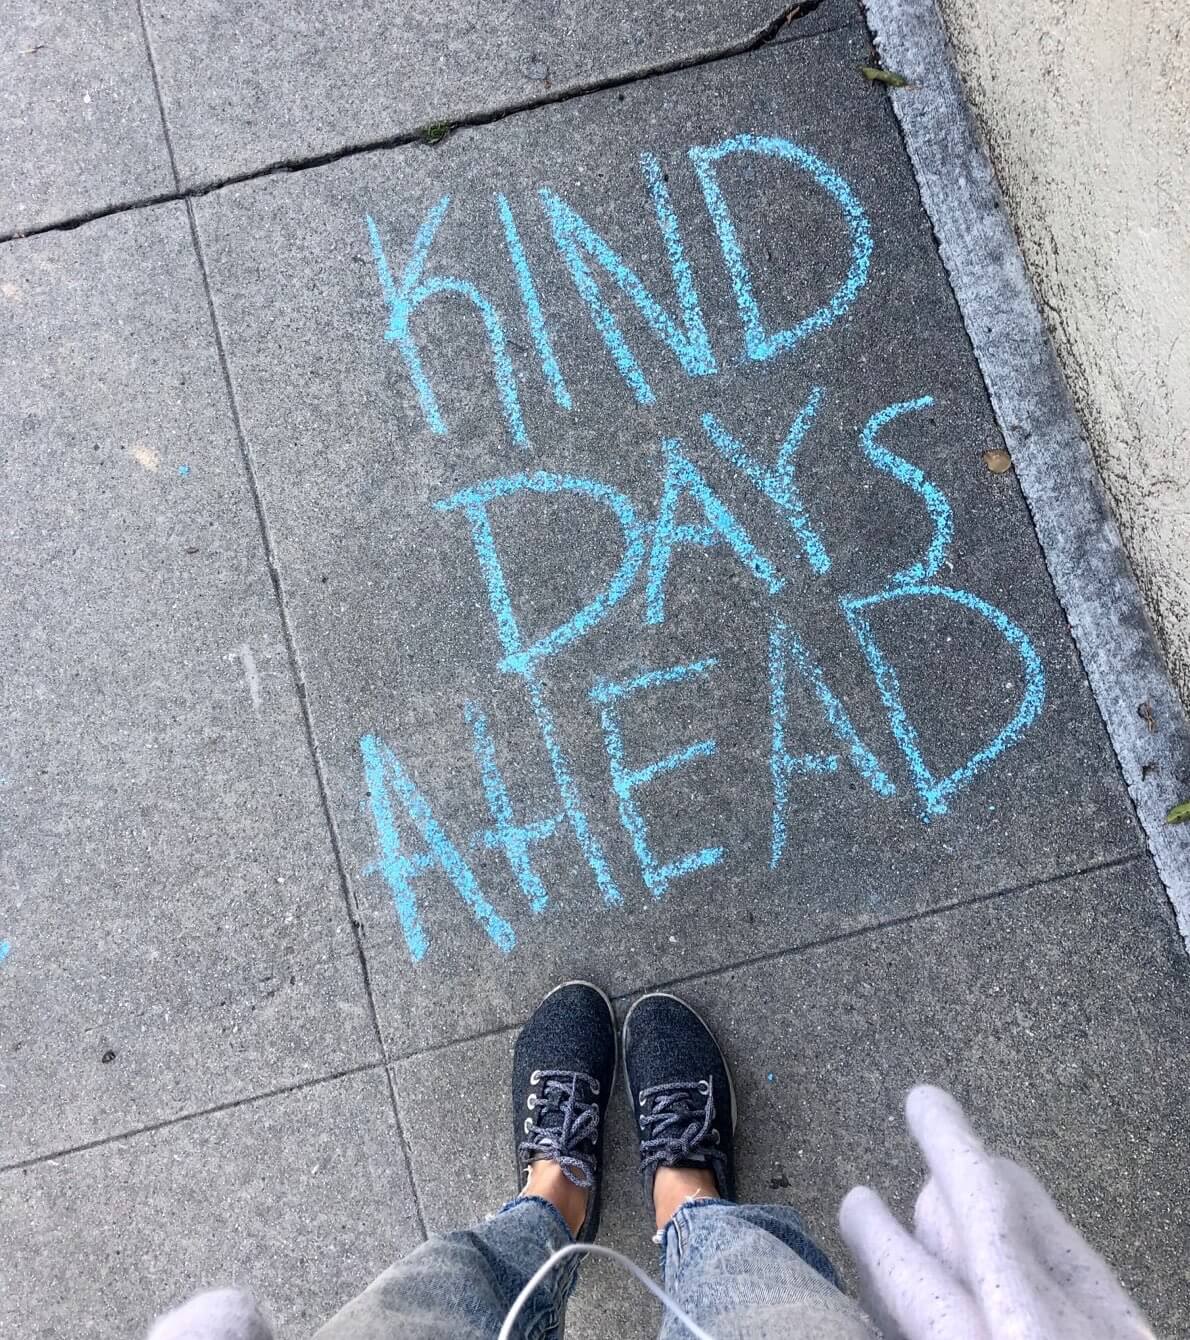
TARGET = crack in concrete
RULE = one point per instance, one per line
(822, 942)
(768, 34)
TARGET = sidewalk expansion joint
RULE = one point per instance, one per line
(166, 1123)
(415, 136)
(804, 947)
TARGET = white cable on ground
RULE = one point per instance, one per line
(543, 1270)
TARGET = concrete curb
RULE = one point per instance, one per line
(1082, 547)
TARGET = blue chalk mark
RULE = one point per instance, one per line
(587, 841)
(913, 582)
(759, 344)
(626, 781)
(683, 478)
(5, 949)
(609, 693)
(777, 483)
(935, 500)
(770, 1077)
(532, 304)
(784, 648)
(404, 299)
(936, 792)
(519, 658)
(687, 339)
(515, 840)
(382, 771)
(184, 471)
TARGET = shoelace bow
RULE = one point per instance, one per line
(679, 1121)
(577, 1125)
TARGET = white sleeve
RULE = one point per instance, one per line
(221, 1314)
(990, 1254)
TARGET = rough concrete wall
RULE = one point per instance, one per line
(1086, 111)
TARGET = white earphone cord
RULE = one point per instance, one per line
(543, 1270)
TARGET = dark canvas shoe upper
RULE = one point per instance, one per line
(681, 1091)
(563, 1070)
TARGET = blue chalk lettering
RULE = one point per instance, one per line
(682, 478)
(587, 841)
(532, 304)
(5, 949)
(610, 693)
(626, 781)
(935, 500)
(576, 240)
(383, 771)
(474, 501)
(403, 300)
(913, 583)
(777, 483)
(760, 344)
(786, 648)
(513, 839)
(936, 792)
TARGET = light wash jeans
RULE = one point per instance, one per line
(742, 1272)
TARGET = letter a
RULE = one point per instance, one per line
(382, 771)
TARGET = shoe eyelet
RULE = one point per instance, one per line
(535, 1078)
(528, 1125)
(704, 1086)
(531, 1101)
(595, 1087)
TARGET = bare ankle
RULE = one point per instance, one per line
(672, 1187)
(549, 1182)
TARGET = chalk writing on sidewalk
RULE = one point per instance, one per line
(654, 551)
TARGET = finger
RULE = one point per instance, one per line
(999, 1265)
(901, 1281)
(979, 1202)
(934, 1228)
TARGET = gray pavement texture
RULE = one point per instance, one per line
(80, 125)
(443, 570)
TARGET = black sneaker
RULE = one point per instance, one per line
(681, 1092)
(563, 1072)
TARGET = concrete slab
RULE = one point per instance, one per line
(80, 129)
(913, 624)
(1059, 1015)
(244, 88)
(175, 929)
(303, 1197)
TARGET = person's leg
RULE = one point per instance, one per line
(461, 1286)
(750, 1272)
(737, 1270)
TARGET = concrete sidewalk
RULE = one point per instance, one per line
(567, 548)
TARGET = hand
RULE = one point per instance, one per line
(221, 1314)
(990, 1257)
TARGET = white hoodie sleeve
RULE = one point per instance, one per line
(221, 1314)
(990, 1257)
